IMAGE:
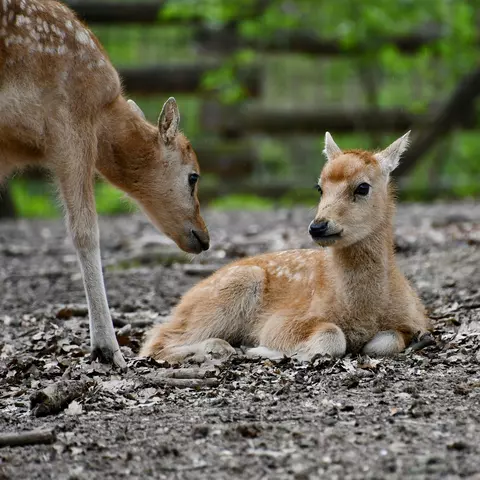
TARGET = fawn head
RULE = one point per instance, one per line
(354, 188)
(165, 181)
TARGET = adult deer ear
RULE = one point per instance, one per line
(169, 121)
(136, 108)
(390, 157)
(331, 150)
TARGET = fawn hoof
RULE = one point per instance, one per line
(265, 352)
(112, 356)
(212, 349)
(422, 341)
(218, 349)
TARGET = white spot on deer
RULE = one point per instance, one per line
(297, 277)
(34, 48)
(5, 5)
(14, 40)
(62, 49)
(23, 4)
(22, 20)
(46, 27)
(11, 16)
(35, 35)
(82, 37)
(4, 21)
(69, 25)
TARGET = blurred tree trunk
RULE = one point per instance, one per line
(369, 74)
(457, 110)
(7, 208)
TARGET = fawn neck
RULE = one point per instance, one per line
(361, 271)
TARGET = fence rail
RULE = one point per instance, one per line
(228, 152)
(182, 79)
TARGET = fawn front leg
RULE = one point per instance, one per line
(77, 187)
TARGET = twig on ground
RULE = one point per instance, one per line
(190, 373)
(33, 437)
(56, 397)
(161, 380)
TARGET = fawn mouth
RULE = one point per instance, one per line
(328, 239)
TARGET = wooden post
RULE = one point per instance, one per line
(7, 207)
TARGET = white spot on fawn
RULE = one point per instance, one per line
(297, 277)
(69, 25)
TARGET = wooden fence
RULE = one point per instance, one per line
(231, 155)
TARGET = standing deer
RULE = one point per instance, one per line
(349, 297)
(61, 107)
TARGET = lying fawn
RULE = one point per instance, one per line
(61, 107)
(349, 297)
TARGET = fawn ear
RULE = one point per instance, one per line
(331, 150)
(390, 157)
(136, 108)
(169, 120)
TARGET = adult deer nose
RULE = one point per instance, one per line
(202, 238)
(318, 229)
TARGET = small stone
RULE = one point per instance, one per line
(201, 431)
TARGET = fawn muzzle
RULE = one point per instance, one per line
(318, 229)
(324, 232)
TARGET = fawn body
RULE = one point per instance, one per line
(61, 107)
(349, 297)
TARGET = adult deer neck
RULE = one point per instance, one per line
(126, 143)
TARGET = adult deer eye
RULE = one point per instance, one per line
(319, 189)
(362, 189)
(193, 179)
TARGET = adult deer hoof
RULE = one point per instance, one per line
(108, 355)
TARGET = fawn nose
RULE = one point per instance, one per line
(318, 229)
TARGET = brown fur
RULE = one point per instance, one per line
(346, 298)
(61, 107)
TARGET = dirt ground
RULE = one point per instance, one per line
(415, 416)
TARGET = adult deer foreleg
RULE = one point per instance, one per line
(76, 178)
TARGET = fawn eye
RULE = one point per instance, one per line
(193, 179)
(362, 189)
(318, 188)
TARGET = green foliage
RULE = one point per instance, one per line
(37, 199)
(33, 199)
(352, 24)
(242, 202)
(112, 201)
